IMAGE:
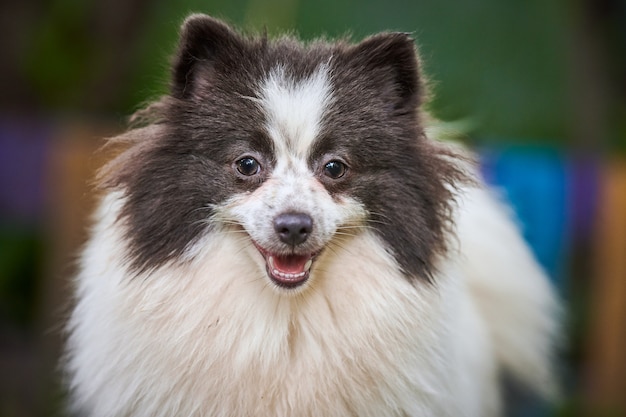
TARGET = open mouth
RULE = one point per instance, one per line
(288, 270)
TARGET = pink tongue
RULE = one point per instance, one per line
(291, 264)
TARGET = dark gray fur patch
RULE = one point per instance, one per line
(209, 120)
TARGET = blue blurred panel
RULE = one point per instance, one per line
(535, 182)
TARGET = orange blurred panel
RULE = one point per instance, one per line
(606, 371)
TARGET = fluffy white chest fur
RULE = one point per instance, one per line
(284, 240)
(212, 339)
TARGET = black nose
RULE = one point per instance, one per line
(293, 228)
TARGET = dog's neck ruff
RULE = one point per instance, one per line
(294, 352)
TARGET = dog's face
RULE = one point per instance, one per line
(292, 146)
(293, 213)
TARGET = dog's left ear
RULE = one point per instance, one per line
(393, 56)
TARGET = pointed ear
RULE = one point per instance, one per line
(394, 56)
(204, 41)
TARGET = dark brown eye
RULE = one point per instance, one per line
(248, 166)
(335, 169)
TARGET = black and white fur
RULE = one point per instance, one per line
(283, 238)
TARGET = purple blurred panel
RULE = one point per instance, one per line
(24, 150)
(585, 195)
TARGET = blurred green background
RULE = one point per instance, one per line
(539, 87)
(533, 70)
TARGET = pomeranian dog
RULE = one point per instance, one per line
(282, 237)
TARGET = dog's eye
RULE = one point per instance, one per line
(248, 166)
(335, 169)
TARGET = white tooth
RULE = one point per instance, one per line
(308, 264)
(270, 261)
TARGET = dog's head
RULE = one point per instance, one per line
(294, 145)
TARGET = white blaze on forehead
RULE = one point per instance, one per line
(294, 109)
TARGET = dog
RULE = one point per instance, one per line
(282, 235)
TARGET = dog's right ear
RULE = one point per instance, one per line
(393, 54)
(204, 43)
